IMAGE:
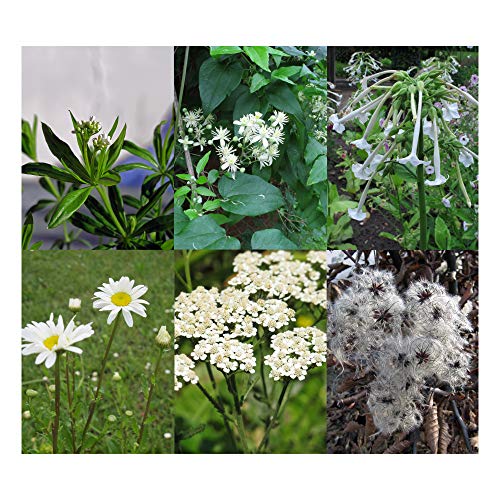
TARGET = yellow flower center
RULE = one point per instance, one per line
(50, 342)
(121, 299)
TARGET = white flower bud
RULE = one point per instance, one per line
(163, 338)
(75, 304)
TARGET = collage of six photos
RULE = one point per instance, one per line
(293, 235)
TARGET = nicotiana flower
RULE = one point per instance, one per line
(465, 158)
(446, 202)
(439, 179)
(450, 110)
(121, 296)
(337, 124)
(45, 339)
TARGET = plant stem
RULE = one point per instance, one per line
(55, 425)
(181, 92)
(93, 403)
(187, 270)
(421, 196)
(70, 404)
(233, 389)
(110, 210)
(275, 417)
(150, 395)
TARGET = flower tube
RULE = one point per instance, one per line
(439, 179)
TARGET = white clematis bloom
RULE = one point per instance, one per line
(45, 339)
(121, 296)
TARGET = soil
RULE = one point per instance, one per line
(350, 427)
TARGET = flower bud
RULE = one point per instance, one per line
(75, 304)
(111, 418)
(163, 338)
(26, 415)
(116, 377)
(31, 393)
(129, 413)
(52, 388)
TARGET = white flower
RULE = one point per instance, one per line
(363, 117)
(465, 158)
(163, 338)
(450, 110)
(465, 225)
(185, 142)
(230, 163)
(278, 119)
(74, 304)
(357, 214)
(362, 171)
(121, 296)
(45, 339)
(427, 128)
(439, 179)
(337, 124)
(362, 144)
(464, 140)
(221, 134)
(446, 202)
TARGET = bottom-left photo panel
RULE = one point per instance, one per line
(97, 359)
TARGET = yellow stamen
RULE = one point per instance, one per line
(50, 342)
(121, 299)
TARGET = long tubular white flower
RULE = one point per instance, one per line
(363, 171)
(362, 109)
(366, 79)
(462, 187)
(470, 98)
(45, 339)
(474, 155)
(439, 179)
(412, 158)
(365, 92)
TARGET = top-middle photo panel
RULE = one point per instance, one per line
(251, 153)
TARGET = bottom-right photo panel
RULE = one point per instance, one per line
(402, 352)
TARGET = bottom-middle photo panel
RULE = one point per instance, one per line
(250, 352)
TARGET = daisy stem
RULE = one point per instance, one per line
(70, 404)
(275, 417)
(55, 425)
(93, 403)
(152, 384)
(421, 195)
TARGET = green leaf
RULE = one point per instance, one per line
(285, 72)
(201, 180)
(180, 219)
(313, 150)
(115, 148)
(68, 206)
(191, 213)
(113, 127)
(249, 195)
(390, 236)
(27, 232)
(217, 81)
(211, 205)
(138, 151)
(318, 172)
(258, 81)
(202, 163)
(203, 191)
(64, 154)
(203, 232)
(182, 191)
(246, 103)
(405, 173)
(184, 177)
(110, 178)
(441, 234)
(281, 97)
(259, 55)
(44, 169)
(213, 175)
(271, 239)
(224, 50)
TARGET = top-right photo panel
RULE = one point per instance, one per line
(403, 148)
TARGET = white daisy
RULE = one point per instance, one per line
(45, 339)
(121, 295)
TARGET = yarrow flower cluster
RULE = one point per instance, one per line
(257, 140)
(279, 274)
(408, 340)
(184, 370)
(403, 108)
(295, 351)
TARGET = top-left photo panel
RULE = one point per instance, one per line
(97, 148)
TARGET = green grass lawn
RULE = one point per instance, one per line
(49, 279)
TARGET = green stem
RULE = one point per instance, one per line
(181, 94)
(233, 389)
(93, 403)
(187, 270)
(275, 416)
(109, 208)
(421, 195)
(150, 395)
(70, 404)
(55, 425)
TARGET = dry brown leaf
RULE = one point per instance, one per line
(398, 447)
(352, 426)
(431, 426)
(444, 429)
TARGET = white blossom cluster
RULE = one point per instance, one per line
(256, 141)
(449, 66)
(361, 64)
(295, 351)
(217, 320)
(317, 109)
(184, 370)
(281, 275)
(407, 340)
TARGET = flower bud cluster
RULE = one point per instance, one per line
(87, 128)
(407, 340)
(295, 351)
(101, 142)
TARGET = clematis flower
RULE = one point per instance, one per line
(121, 296)
(439, 179)
(450, 110)
(46, 339)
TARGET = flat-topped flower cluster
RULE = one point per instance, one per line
(408, 340)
